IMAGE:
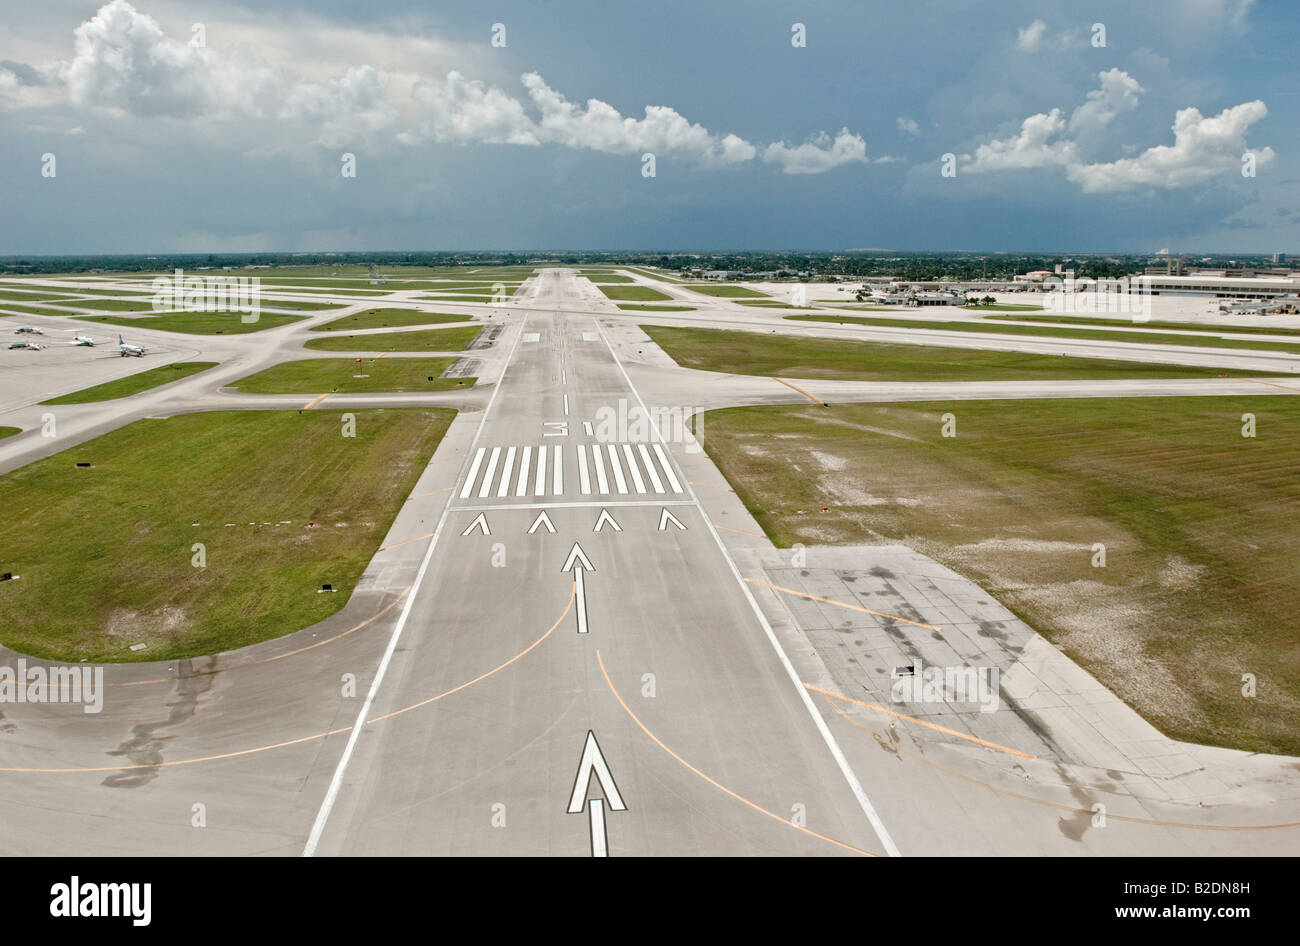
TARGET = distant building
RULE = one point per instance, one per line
(1037, 275)
(1279, 258)
(1219, 284)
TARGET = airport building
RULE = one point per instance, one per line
(1217, 283)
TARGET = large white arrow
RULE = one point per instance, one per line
(604, 518)
(579, 563)
(593, 762)
(667, 517)
(480, 522)
(542, 519)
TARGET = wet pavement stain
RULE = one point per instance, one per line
(145, 747)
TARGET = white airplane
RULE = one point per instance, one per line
(123, 349)
(28, 330)
(85, 340)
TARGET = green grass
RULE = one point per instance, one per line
(1202, 571)
(770, 304)
(31, 297)
(1006, 307)
(197, 323)
(388, 318)
(837, 359)
(1150, 338)
(445, 339)
(9, 431)
(135, 383)
(330, 375)
(635, 293)
(457, 299)
(1189, 326)
(112, 305)
(726, 292)
(655, 308)
(105, 553)
(32, 310)
(662, 277)
(607, 278)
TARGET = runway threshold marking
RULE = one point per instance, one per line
(842, 604)
(830, 694)
(714, 782)
(794, 387)
(1072, 809)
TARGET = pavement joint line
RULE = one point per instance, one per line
(718, 785)
(837, 753)
(336, 783)
(841, 604)
(830, 694)
(795, 387)
(1081, 811)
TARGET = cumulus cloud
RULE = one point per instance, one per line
(463, 111)
(343, 108)
(1203, 148)
(908, 126)
(1029, 38)
(819, 154)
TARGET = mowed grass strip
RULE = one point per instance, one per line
(350, 376)
(388, 318)
(446, 339)
(634, 307)
(1047, 331)
(1201, 528)
(197, 323)
(30, 296)
(9, 431)
(106, 553)
(725, 292)
(1154, 323)
(843, 360)
(135, 383)
(635, 293)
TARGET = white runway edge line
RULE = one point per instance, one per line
(849, 776)
(336, 783)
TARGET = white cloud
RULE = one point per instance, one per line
(908, 126)
(1030, 38)
(1118, 93)
(353, 105)
(818, 155)
(463, 111)
(1203, 148)
(1032, 148)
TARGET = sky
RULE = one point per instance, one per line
(138, 126)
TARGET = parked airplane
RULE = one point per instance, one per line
(28, 345)
(85, 340)
(123, 349)
(28, 330)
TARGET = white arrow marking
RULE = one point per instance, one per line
(604, 518)
(667, 517)
(594, 762)
(479, 522)
(542, 519)
(577, 555)
(599, 846)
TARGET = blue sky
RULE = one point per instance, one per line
(1058, 143)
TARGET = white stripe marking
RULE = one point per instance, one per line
(650, 468)
(490, 473)
(557, 480)
(540, 486)
(473, 472)
(524, 462)
(599, 846)
(618, 470)
(506, 470)
(633, 468)
(668, 469)
(584, 478)
(566, 405)
(599, 457)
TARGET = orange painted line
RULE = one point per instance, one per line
(300, 739)
(1072, 809)
(1271, 384)
(266, 660)
(483, 676)
(920, 722)
(737, 531)
(398, 545)
(811, 397)
(432, 492)
(310, 404)
(841, 604)
(722, 788)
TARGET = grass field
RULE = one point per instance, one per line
(444, 339)
(197, 323)
(607, 278)
(770, 304)
(30, 297)
(9, 431)
(33, 310)
(837, 359)
(725, 292)
(1046, 331)
(135, 383)
(635, 294)
(1202, 569)
(634, 307)
(157, 487)
(388, 318)
(112, 305)
(339, 375)
(1155, 323)
(1006, 307)
(662, 277)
